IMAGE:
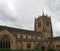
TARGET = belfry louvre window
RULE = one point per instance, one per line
(47, 23)
(39, 23)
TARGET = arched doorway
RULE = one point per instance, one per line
(28, 45)
(5, 42)
(43, 48)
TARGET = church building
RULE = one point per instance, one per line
(40, 38)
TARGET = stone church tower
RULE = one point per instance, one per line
(43, 24)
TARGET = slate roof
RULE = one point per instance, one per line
(56, 38)
(17, 30)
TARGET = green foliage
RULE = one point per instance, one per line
(50, 49)
(4, 49)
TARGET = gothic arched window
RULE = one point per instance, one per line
(39, 23)
(4, 42)
(47, 23)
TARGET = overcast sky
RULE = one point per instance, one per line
(21, 13)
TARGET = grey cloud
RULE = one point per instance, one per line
(54, 5)
(5, 13)
(23, 12)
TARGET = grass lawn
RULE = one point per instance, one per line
(3, 49)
